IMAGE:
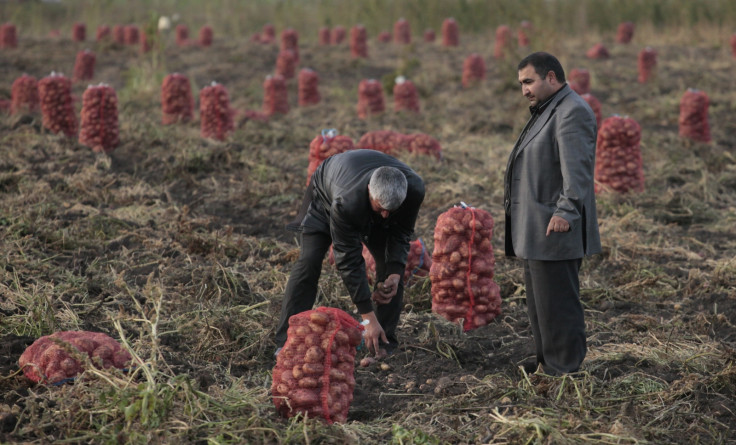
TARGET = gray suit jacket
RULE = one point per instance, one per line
(552, 174)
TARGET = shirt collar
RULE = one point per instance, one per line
(539, 108)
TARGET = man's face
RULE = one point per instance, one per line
(377, 207)
(534, 87)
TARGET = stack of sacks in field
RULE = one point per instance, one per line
(290, 40)
(286, 63)
(474, 70)
(24, 95)
(103, 33)
(579, 79)
(79, 32)
(99, 122)
(132, 34)
(450, 32)
(55, 96)
(177, 102)
(215, 114)
(418, 262)
(429, 35)
(385, 141)
(402, 32)
(521, 34)
(463, 266)
(118, 34)
(308, 88)
(384, 37)
(64, 355)
(646, 62)
(625, 32)
(405, 95)
(275, 95)
(314, 372)
(323, 36)
(358, 42)
(325, 145)
(693, 120)
(598, 51)
(182, 34)
(503, 40)
(84, 65)
(338, 35)
(206, 35)
(618, 164)
(370, 98)
(423, 144)
(8, 36)
(595, 105)
(268, 34)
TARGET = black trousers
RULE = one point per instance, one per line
(301, 289)
(556, 314)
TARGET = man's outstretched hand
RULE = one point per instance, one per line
(373, 333)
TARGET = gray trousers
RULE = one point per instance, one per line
(556, 314)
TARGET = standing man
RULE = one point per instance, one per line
(551, 221)
(356, 197)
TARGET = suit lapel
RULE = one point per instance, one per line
(542, 120)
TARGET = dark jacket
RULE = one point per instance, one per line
(340, 207)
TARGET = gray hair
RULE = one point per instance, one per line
(388, 186)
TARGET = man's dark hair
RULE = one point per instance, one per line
(543, 63)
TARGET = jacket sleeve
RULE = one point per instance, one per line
(402, 230)
(348, 250)
(575, 138)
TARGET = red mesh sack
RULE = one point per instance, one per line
(503, 39)
(314, 372)
(733, 45)
(625, 32)
(646, 62)
(463, 266)
(132, 34)
(48, 360)
(268, 33)
(99, 122)
(693, 119)
(145, 43)
(5, 106)
(358, 42)
(384, 37)
(182, 35)
(595, 105)
(418, 262)
(405, 95)
(580, 80)
(450, 32)
(522, 35)
(423, 144)
(338, 35)
(206, 35)
(598, 51)
(308, 88)
(370, 98)
(24, 95)
(79, 32)
(618, 164)
(215, 114)
(275, 95)
(325, 145)
(429, 35)
(177, 102)
(84, 65)
(474, 70)
(286, 63)
(323, 36)
(118, 34)
(385, 141)
(402, 32)
(8, 36)
(290, 40)
(103, 33)
(370, 263)
(55, 96)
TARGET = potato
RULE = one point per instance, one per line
(314, 354)
(304, 397)
(308, 382)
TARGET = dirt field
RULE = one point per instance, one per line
(177, 243)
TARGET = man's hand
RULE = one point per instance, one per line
(373, 333)
(557, 224)
(387, 290)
